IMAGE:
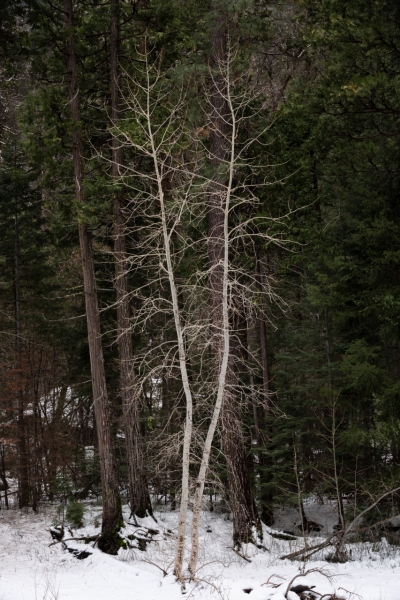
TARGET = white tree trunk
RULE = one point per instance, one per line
(180, 548)
(226, 345)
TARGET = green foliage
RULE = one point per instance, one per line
(62, 487)
(329, 150)
(74, 514)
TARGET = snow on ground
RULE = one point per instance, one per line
(32, 569)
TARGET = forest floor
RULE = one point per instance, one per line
(33, 569)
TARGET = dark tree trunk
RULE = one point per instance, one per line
(51, 449)
(263, 344)
(266, 496)
(241, 500)
(112, 515)
(240, 494)
(35, 461)
(138, 489)
(35, 471)
(23, 471)
(3, 476)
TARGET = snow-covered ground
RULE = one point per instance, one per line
(32, 569)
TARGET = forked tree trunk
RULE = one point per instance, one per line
(112, 515)
(138, 490)
(240, 495)
(167, 263)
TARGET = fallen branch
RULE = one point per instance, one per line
(383, 522)
(350, 593)
(275, 585)
(368, 509)
(150, 562)
(149, 530)
(315, 570)
(91, 538)
(338, 539)
(241, 555)
(342, 535)
(315, 548)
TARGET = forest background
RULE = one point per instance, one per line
(200, 233)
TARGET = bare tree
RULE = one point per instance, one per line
(172, 150)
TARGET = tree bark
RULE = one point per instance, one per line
(23, 472)
(112, 515)
(263, 343)
(3, 476)
(167, 264)
(266, 496)
(35, 462)
(138, 490)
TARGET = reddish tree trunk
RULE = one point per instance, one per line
(138, 490)
(240, 495)
(112, 516)
(263, 344)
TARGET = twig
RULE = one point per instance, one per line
(150, 562)
(210, 583)
(320, 571)
(351, 593)
(275, 585)
(149, 530)
(241, 555)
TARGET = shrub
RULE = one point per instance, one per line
(74, 514)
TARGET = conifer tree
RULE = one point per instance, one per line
(112, 516)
